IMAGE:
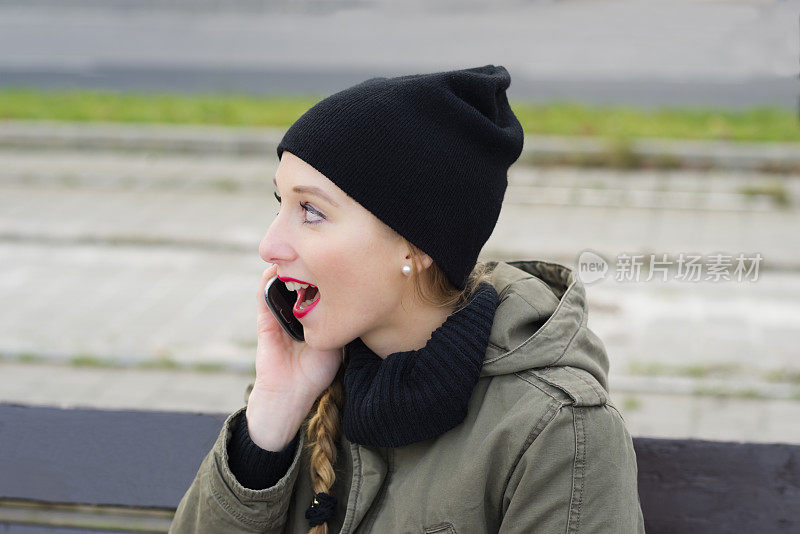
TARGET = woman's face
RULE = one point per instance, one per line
(334, 243)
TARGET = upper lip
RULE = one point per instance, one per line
(288, 279)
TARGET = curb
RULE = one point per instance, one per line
(538, 150)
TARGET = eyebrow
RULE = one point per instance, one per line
(311, 191)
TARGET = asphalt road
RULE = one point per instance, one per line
(656, 53)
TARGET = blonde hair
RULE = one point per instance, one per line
(323, 422)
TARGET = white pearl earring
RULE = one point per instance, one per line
(406, 270)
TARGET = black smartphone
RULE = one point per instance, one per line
(280, 302)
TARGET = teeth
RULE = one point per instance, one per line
(305, 303)
(294, 286)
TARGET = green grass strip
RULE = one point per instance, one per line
(621, 122)
(93, 106)
(560, 118)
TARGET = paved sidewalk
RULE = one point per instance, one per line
(125, 259)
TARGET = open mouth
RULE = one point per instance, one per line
(307, 297)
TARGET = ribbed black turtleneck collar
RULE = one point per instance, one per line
(416, 395)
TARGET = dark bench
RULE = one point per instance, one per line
(84, 470)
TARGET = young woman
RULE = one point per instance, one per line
(433, 393)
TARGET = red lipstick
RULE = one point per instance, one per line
(301, 296)
(287, 279)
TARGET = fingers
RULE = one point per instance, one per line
(268, 273)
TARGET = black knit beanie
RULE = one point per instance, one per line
(427, 154)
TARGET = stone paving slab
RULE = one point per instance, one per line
(747, 325)
(151, 389)
(708, 417)
(129, 303)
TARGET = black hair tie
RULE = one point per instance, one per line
(323, 508)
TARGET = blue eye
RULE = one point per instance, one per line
(307, 208)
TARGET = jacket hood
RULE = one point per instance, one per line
(540, 321)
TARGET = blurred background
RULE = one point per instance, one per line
(137, 149)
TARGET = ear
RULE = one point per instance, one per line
(423, 260)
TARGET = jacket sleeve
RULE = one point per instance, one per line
(578, 476)
(217, 502)
(252, 466)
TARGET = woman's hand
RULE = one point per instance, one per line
(290, 376)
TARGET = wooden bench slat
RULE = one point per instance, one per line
(105, 457)
(148, 459)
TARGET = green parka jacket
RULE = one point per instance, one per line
(542, 449)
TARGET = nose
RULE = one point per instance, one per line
(275, 247)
